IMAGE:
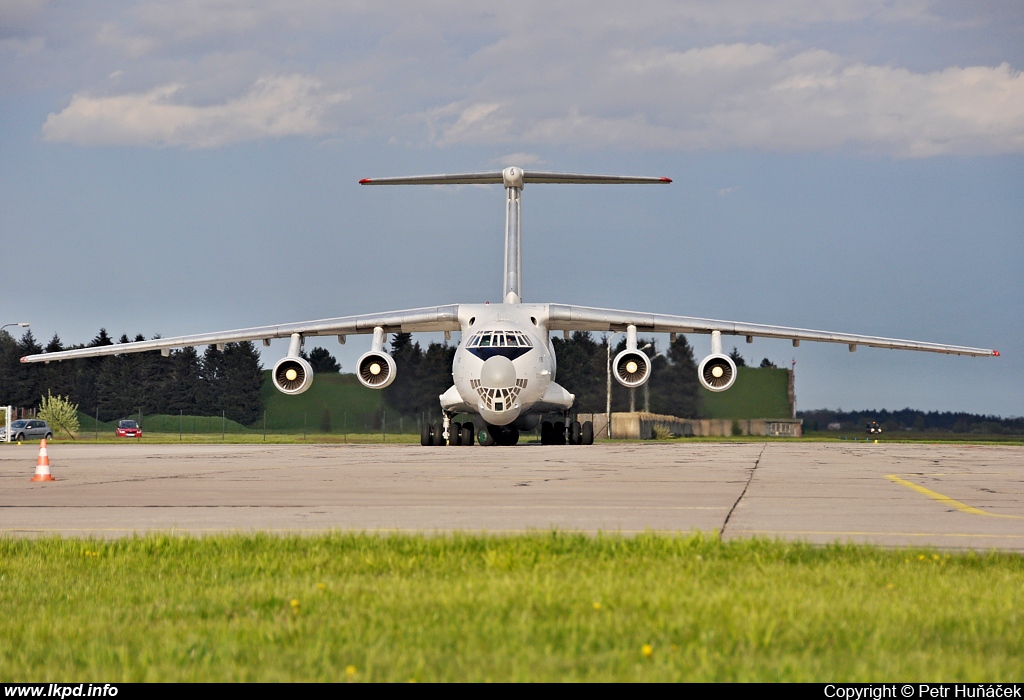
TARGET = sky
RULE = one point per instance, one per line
(186, 166)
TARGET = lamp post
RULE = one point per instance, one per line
(632, 389)
(23, 325)
(608, 385)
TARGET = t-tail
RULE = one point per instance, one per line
(514, 179)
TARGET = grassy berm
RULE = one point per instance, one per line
(548, 606)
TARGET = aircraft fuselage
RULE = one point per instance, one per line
(504, 366)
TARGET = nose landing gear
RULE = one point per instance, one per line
(498, 435)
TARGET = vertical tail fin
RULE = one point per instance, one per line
(514, 179)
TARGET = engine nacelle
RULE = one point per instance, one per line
(292, 375)
(631, 368)
(376, 370)
(717, 372)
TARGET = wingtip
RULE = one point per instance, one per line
(995, 353)
(666, 180)
(25, 359)
(364, 181)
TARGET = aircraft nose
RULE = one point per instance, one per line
(498, 373)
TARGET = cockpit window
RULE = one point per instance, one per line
(509, 339)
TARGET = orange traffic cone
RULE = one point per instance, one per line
(43, 464)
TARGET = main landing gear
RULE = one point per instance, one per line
(557, 433)
(458, 434)
(562, 433)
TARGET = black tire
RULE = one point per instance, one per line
(455, 435)
(587, 433)
(575, 433)
(426, 437)
(485, 437)
(48, 436)
(19, 437)
(467, 434)
(546, 431)
(438, 435)
(559, 434)
(507, 435)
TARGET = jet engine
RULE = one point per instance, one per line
(631, 368)
(292, 375)
(717, 372)
(376, 369)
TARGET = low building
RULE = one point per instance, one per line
(646, 426)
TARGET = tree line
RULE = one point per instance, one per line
(118, 386)
(229, 381)
(909, 419)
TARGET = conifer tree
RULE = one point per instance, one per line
(212, 382)
(323, 362)
(581, 370)
(27, 379)
(182, 387)
(674, 386)
(243, 377)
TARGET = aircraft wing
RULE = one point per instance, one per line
(584, 318)
(432, 318)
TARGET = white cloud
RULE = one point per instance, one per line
(675, 74)
(289, 105)
(755, 96)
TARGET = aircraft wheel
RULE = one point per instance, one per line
(559, 436)
(546, 430)
(485, 437)
(455, 434)
(426, 437)
(438, 434)
(467, 434)
(575, 433)
(587, 433)
(510, 436)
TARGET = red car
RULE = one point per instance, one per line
(128, 428)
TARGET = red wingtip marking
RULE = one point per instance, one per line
(665, 179)
(995, 353)
(24, 358)
(364, 181)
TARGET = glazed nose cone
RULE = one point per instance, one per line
(498, 373)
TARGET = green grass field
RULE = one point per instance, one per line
(537, 607)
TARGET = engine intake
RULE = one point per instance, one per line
(376, 370)
(717, 372)
(631, 368)
(292, 375)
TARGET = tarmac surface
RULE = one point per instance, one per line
(946, 496)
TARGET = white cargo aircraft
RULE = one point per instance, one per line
(504, 368)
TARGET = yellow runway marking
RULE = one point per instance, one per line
(962, 507)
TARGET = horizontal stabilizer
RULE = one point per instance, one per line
(502, 177)
(463, 179)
